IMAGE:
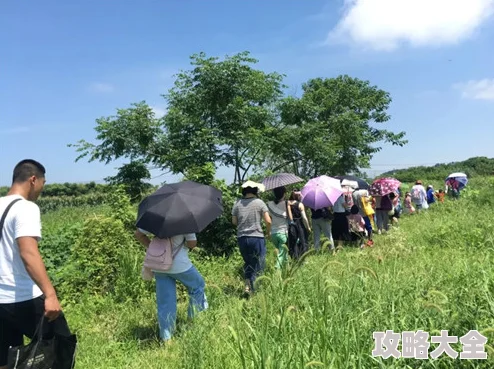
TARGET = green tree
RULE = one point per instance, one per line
(219, 112)
(135, 134)
(332, 129)
(131, 176)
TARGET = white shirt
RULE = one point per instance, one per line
(422, 192)
(23, 220)
(181, 261)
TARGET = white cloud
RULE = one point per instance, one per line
(478, 90)
(102, 87)
(158, 112)
(385, 24)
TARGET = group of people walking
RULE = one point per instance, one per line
(27, 295)
(352, 219)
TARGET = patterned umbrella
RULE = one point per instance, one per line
(280, 180)
(384, 186)
(321, 192)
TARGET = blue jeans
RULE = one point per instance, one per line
(253, 250)
(166, 298)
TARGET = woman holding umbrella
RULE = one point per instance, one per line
(182, 270)
(174, 214)
(384, 191)
(280, 214)
(247, 215)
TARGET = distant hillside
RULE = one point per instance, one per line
(473, 167)
(66, 189)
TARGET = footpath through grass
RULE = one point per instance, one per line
(433, 272)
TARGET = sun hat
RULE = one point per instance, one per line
(253, 184)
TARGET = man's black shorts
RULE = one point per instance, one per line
(21, 319)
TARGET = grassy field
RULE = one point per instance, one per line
(433, 272)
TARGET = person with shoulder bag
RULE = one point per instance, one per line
(168, 261)
(298, 235)
(28, 299)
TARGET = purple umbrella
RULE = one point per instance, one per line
(321, 192)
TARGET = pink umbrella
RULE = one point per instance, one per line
(321, 192)
(384, 186)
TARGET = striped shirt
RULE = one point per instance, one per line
(249, 213)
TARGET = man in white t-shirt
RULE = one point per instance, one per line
(26, 293)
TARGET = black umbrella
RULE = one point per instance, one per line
(363, 185)
(179, 208)
(280, 179)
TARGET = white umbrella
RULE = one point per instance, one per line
(457, 175)
(348, 183)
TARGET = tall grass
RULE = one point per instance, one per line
(432, 272)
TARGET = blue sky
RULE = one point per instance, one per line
(64, 64)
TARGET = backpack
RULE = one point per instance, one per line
(416, 198)
(159, 255)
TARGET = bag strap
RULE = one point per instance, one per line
(275, 213)
(178, 248)
(4, 216)
(38, 333)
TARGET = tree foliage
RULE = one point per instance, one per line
(332, 129)
(131, 176)
(219, 111)
(472, 167)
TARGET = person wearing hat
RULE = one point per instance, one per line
(247, 215)
(419, 196)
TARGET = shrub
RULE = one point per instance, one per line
(93, 266)
(56, 247)
(121, 207)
